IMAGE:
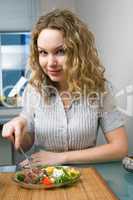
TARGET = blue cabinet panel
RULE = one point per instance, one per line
(14, 53)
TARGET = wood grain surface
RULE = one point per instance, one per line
(91, 186)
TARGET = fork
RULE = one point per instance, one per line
(27, 157)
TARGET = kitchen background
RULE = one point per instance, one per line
(110, 21)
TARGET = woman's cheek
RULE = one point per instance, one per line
(41, 61)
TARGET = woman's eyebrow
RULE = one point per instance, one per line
(58, 47)
(40, 48)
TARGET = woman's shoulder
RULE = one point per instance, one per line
(30, 89)
(31, 93)
(30, 96)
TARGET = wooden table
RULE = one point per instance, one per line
(90, 187)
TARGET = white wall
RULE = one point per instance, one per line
(17, 15)
(112, 24)
(47, 5)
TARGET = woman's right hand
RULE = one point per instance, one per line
(14, 131)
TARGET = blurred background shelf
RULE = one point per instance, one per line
(7, 114)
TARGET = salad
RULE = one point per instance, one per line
(47, 176)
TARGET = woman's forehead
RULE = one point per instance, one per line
(50, 37)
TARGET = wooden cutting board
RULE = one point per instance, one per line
(91, 186)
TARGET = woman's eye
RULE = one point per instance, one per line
(60, 52)
(42, 53)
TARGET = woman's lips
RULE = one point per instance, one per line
(54, 72)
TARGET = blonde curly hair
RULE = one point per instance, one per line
(84, 69)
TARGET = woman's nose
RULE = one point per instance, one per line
(52, 60)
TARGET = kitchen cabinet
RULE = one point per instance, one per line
(8, 155)
(18, 15)
(5, 150)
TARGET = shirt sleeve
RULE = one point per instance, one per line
(28, 106)
(110, 116)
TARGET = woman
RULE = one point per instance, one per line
(68, 97)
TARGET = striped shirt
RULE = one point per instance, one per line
(76, 128)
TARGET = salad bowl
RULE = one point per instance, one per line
(46, 177)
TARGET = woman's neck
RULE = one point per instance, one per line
(63, 87)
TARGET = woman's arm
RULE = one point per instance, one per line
(115, 149)
(28, 139)
(16, 131)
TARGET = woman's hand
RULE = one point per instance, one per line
(14, 131)
(45, 158)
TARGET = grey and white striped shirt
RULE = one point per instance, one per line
(57, 129)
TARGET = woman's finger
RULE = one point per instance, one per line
(18, 136)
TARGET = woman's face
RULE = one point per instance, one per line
(51, 54)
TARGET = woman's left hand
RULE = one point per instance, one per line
(44, 158)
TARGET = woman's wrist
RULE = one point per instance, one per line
(68, 157)
(64, 157)
(73, 157)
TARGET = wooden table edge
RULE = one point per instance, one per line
(105, 184)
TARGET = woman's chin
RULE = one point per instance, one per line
(56, 79)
